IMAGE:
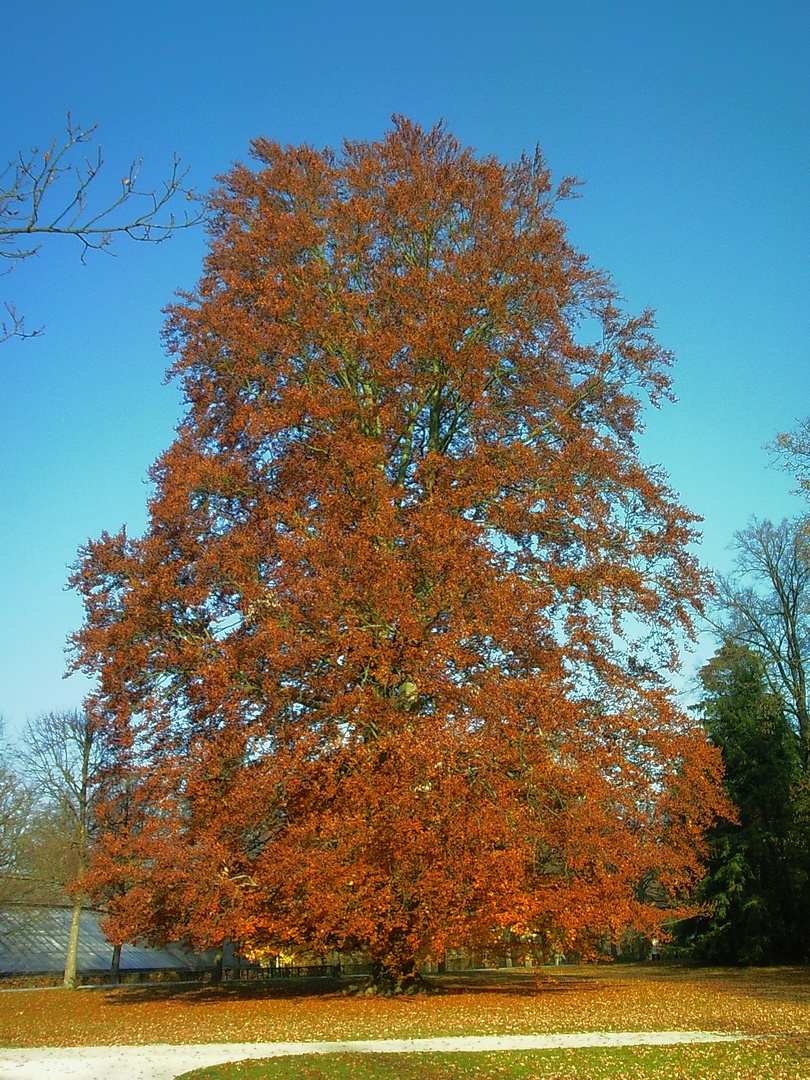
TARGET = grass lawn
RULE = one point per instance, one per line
(774, 1003)
(738, 1061)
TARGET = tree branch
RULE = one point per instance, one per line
(48, 194)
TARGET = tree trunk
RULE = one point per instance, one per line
(216, 968)
(115, 966)
(73, 944)
(395, 973)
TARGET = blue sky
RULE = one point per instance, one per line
(688, 122)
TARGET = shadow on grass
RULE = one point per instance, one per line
(281, 989)
(790, 985)
(516, 984)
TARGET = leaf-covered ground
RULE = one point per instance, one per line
(622, 998)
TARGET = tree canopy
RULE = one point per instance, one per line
(385, 669)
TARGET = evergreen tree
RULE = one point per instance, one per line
(756, 882)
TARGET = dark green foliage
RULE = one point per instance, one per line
(756, 886)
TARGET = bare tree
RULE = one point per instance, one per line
(765, 605)
(792, 452)
(16, 804)
(63, 760)
(48, 193)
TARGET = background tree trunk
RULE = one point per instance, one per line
(73, 945)
(216, 968)
(115, 966)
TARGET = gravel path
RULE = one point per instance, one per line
(163, 1062)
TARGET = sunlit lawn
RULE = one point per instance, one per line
(737, 1061)
(774, 1003)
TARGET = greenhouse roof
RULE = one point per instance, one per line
(33, 941)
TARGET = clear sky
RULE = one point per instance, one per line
(689, 123)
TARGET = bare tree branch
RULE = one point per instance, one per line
(15, 327)
(765, 605)
(16, 806)
(48, 194)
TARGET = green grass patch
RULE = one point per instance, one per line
(771, 1059)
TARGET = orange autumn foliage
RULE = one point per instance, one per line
(384, 670)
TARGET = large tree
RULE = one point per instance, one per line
(385, 668)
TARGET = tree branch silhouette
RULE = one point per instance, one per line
(49, 193)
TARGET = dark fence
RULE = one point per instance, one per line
(251, 973)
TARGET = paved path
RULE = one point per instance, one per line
(163, 1062)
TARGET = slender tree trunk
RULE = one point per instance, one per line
(73, 944)
(115, 966)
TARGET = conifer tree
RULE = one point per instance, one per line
(757, 881)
